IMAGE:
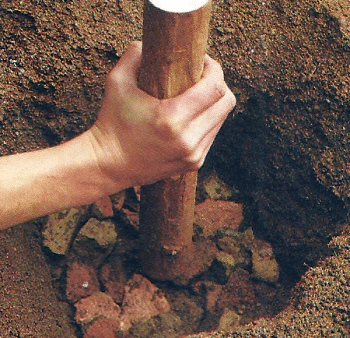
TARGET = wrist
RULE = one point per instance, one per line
(105, 161)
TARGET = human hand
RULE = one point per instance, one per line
(139, 139)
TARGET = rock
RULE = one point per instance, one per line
(235, 248)
(211, 215)
(81, 281)
(264, 264)
(159, 326)
(142, 300)
(118, 199)
(103, 328)
(210, 290)
(59, 230)
(233, 241)
(213, 291)
(99, 305)
(95, 241)
(101, 232)
(238, 293)
(131, 217)
(229, 320)
(187, 309)
(113, 278)
(215, 188)
(223, 265)
(103, 208)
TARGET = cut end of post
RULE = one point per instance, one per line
(179, 6)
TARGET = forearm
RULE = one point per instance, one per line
(37, 183)
(136, 140)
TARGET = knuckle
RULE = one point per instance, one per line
(219, 87)
(233, 99)
(166, 128)
(194, 161)
(167, 122)
(191, 154)
(216, 68)
(113, 80)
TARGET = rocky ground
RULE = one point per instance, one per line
(279, 224)
(95, 255)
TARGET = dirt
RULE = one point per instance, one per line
(284, 151)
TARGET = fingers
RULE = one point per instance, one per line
(213, 116)
(209, 90)
(200, 142)
(191, 120)
(127, 66)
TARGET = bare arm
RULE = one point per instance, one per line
(136, 140)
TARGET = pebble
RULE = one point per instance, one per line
(212, 215)
(142, 300)
(59, 230)
(103, 328)
(264, 264)
(95, 241)
(98, 305)
(103, 208)
(81, 281)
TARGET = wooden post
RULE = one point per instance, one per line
(175, 37)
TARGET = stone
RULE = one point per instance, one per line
(95, 241)
(99, 305)
(103, 208)
(103, 328)
(229, 320)
(59, 230)
(226, 263)
(113, 279)
(131, 217)
(213, 290)
(212, 215)
(264, 264)
(210, 290)
(142, 300)
(118, 199)
(159, 326)
(81, 281)
(238, 293)
(215, 188)
(187, 309)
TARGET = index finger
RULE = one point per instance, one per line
(210, 89)
(127, 66)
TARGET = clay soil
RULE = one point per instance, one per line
(54, 56)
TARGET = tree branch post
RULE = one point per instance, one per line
(175, 35)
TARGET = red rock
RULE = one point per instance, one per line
(213, 290)
(81, 281)
(118, 199)
(103, 328)
(98, 305)
(142, 300)
(212, 215)
(132, 217)
(95, 241)
(190, 312)
(113, 278)
(210, 290)
(238, 293)
(103, 207)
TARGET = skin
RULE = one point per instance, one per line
(136, 140)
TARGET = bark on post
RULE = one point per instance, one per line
(174, 46)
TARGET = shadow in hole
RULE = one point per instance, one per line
(273, 171)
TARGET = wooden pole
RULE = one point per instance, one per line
(174, 46)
